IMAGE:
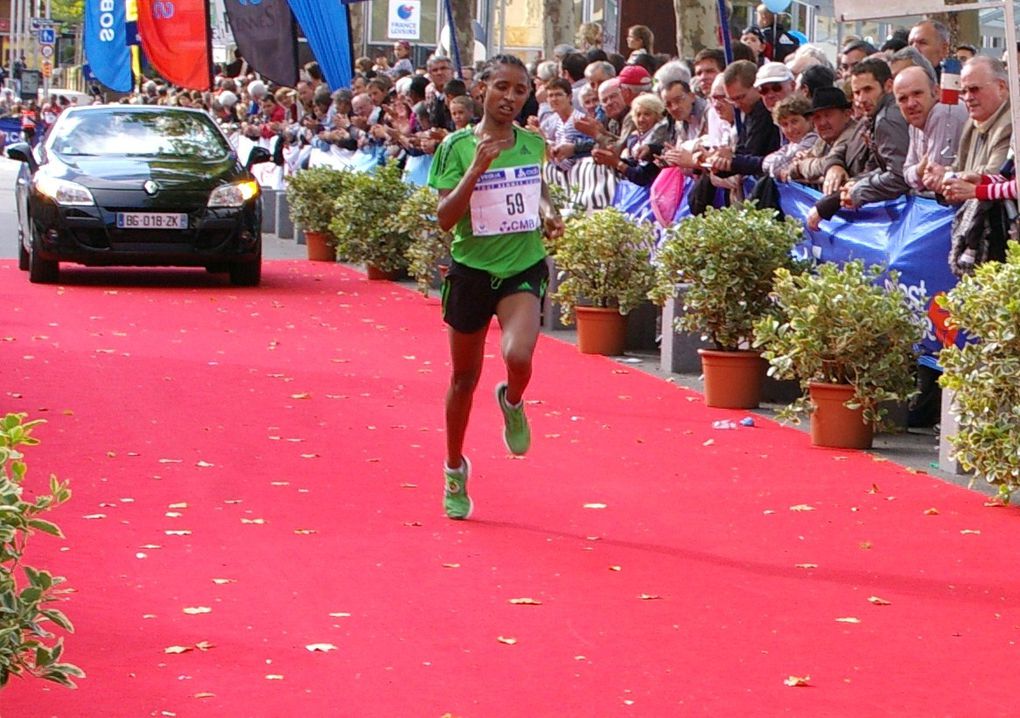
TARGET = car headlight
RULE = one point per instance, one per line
(64, 192)
(233, 195)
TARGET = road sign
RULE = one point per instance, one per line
(46, 51)
(47, 68)
(37, 23)
(47, 35)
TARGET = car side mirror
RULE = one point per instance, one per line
(257, 156)
(22, 152)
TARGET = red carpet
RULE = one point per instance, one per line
(295, 431)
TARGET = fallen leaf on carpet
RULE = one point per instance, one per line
(797, 681)
(196, 610)
(412, 523)
(970, 531)
(309, 456)
(181, 532)
(451, 565)
(879, 458)
(616, 568)
(580, 658)
(91, 517)
(708, 443)
(204, 464)
(177, 649)
(874, 489)
(595, 506)
(340, 614)
(232, 501)
(303, 395)
(525, 602)
(507, 641)
(848, 619)
(305, 532)
(279, 483)
(171, 461)
(768, 512)
(173, 514)
(864, 545)
(650, 597)
(931, 512)
(141, 555)
(223, 581)
(180, 505)
(805, 565)
(205, 694)
(321, 647)
(802, 507)
(274, 677)
(995, 504)
(204, 645)
(879, 601)
(407, 485)
(253, 521)
(552, 436)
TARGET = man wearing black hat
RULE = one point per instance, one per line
(834, 123)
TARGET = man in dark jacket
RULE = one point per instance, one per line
(758, 134)
(869, 166)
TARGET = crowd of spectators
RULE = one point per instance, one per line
(872, 127)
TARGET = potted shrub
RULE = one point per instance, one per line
(725, 259)
(430, 245)
(605, 270)
(983, 373)
(365, 221)
(849, 335)
(311, 194)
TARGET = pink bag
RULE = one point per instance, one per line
(667, 194)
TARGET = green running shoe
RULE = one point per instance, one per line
(456, 502)
(516, 434)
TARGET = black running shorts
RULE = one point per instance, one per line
(470, 295)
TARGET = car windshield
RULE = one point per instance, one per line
(163, 134)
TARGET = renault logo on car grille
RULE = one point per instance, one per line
(150, 187)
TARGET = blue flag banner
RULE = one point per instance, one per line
(10, 130)
(106, 43)
(327, 26)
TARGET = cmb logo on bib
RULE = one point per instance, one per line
(509, 226)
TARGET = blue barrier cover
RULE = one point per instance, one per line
(10, 127)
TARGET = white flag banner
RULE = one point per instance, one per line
(404, 20)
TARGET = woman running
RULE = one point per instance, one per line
(489, 179)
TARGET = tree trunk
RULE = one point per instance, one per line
(697, 24)
(559, 25)
(463, 14)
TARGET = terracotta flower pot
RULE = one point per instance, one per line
(732, 379)
(320, 249)
(376, 274)
(600, 330)
(834, 425)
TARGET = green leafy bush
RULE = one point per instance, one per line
(430, 244)
(727, 257)
(311, 194)
(26, 646)
(985, 374)
(605, 261)
(843, 325)
(365, 219)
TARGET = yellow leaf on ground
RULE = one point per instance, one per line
(321, 647)
(848, 619)
(525, 602)
(805, 565)
(802, 507)
(595, 506)
(451, 565)
(222, 581)
(931, 512)
(196, 610)
(274, 677)
(797, 681)
(650, 597)
(204, 645)
(879, 601)
(506, 640)
(970, 531)
(177, 649)
(258, 522)
(205, 694)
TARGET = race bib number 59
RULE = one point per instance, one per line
(506, 200)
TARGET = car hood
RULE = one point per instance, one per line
(128, 173)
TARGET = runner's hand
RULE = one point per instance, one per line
(554, 227)
(487, 150)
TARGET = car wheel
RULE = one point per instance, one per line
(22, 253)
(248, 274)
(42, 271)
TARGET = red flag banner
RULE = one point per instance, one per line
(175, 38)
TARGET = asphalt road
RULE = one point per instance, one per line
(8, 210)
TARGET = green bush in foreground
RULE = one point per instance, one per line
(26, 647)
(984, 374)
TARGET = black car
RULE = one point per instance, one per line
(115, 185)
